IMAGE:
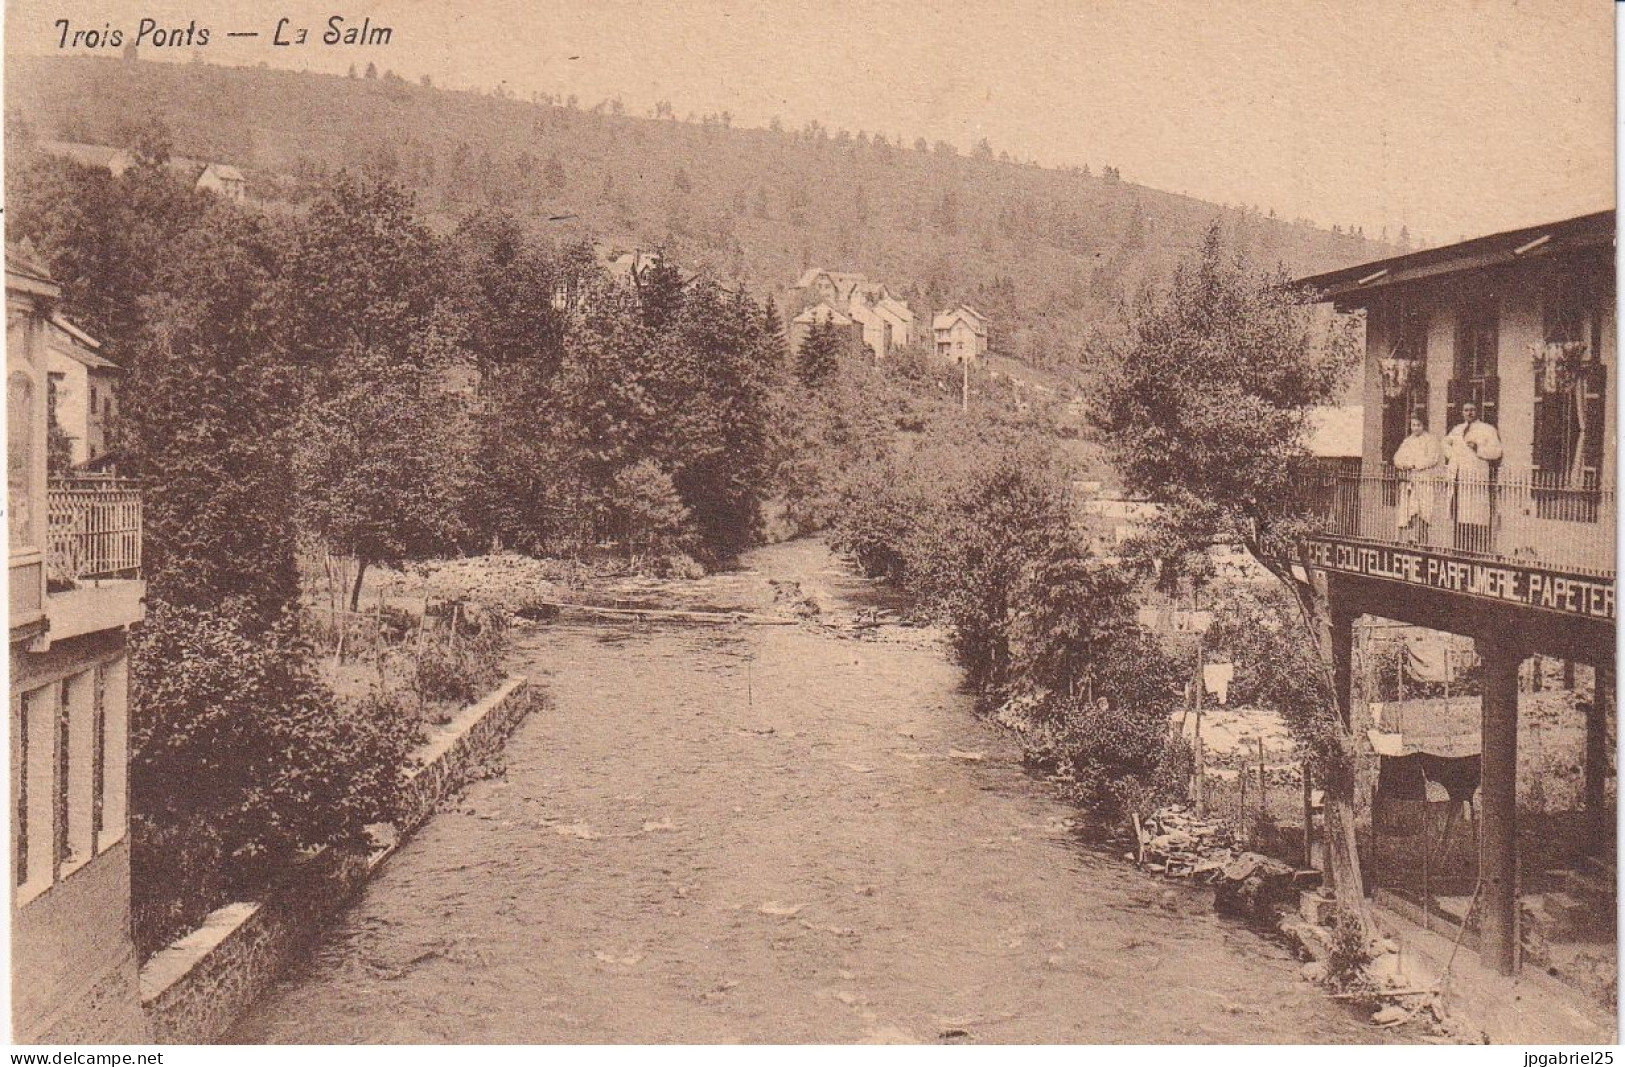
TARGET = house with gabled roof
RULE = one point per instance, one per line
(960, 334)
(802, 325)
(876, 329)
(901, 319)
(224, 180)
(884, 321)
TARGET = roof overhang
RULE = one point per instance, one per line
(1354, 287)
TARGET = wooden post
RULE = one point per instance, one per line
(1241, 801)
(1498, 825)
(1201, 774)
(1596, 754)
(1263, 788)
(964, 383)
(1308, 818)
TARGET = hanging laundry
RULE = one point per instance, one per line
(1216, 678)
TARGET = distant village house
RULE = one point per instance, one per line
(961, 334)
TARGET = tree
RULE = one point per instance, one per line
(150, 142)
(818, 357)
(208, 410)
(379, 462)
(1205, 407)
(382, 470)
(553, 175)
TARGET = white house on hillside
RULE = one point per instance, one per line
(961, 334)
(884, 321)
(224, 180)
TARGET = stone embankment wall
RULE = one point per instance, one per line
(193, 990)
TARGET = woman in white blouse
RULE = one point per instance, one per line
(1419, 463)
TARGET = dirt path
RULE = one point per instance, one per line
(722, 834)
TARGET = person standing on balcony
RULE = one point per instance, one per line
(1417, 463)
(1469, 449)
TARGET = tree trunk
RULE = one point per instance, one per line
(1337, 775)
(355, 591)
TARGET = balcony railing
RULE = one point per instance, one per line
(1522, 519)
(94, 530)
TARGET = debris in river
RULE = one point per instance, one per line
(663, 824)
(577, 830)
(781, 911)
(624, 961)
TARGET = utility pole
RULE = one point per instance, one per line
(1199, 787)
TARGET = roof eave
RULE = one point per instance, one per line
(1353, 286)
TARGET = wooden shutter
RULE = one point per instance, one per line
(1544, 457)
(1594, 386)
(1489, 400)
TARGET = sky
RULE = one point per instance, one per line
(1451, 117)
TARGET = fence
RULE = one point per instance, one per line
(93, 529)
(1537, 519)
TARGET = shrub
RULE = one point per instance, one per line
(179, 871)
(459, 666)
(1349, 956)
(231, 731)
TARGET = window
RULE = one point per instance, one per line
(68, 762)
(64, 849)
(79, 770)
(1477, 360)
(1400, 327)
(115, 752)
(98, 783)
(1571, 391)
(36, 809)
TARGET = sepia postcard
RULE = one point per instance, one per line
(1081, 522)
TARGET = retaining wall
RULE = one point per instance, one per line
(193, 990)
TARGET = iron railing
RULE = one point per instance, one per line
(94, 529)
(1521, 519)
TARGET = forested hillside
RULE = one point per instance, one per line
(1047, 254)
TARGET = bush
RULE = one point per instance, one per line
(459, 667)
(1349, 957)
(180, 874)
(231, 731)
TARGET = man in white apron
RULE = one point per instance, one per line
(1469, 449)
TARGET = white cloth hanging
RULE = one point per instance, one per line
(1216, 678)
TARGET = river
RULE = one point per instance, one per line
(753, 833)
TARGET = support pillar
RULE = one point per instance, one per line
(1596, 758)
(1498, 825)
(1343, 661)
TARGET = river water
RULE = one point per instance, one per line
(774, 834)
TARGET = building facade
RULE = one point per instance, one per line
(83, 391)
(1490, 371)
(960, 334)
(75, 590)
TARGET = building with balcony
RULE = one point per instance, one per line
(1482, 506)
(75, 590)
(83, 392)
